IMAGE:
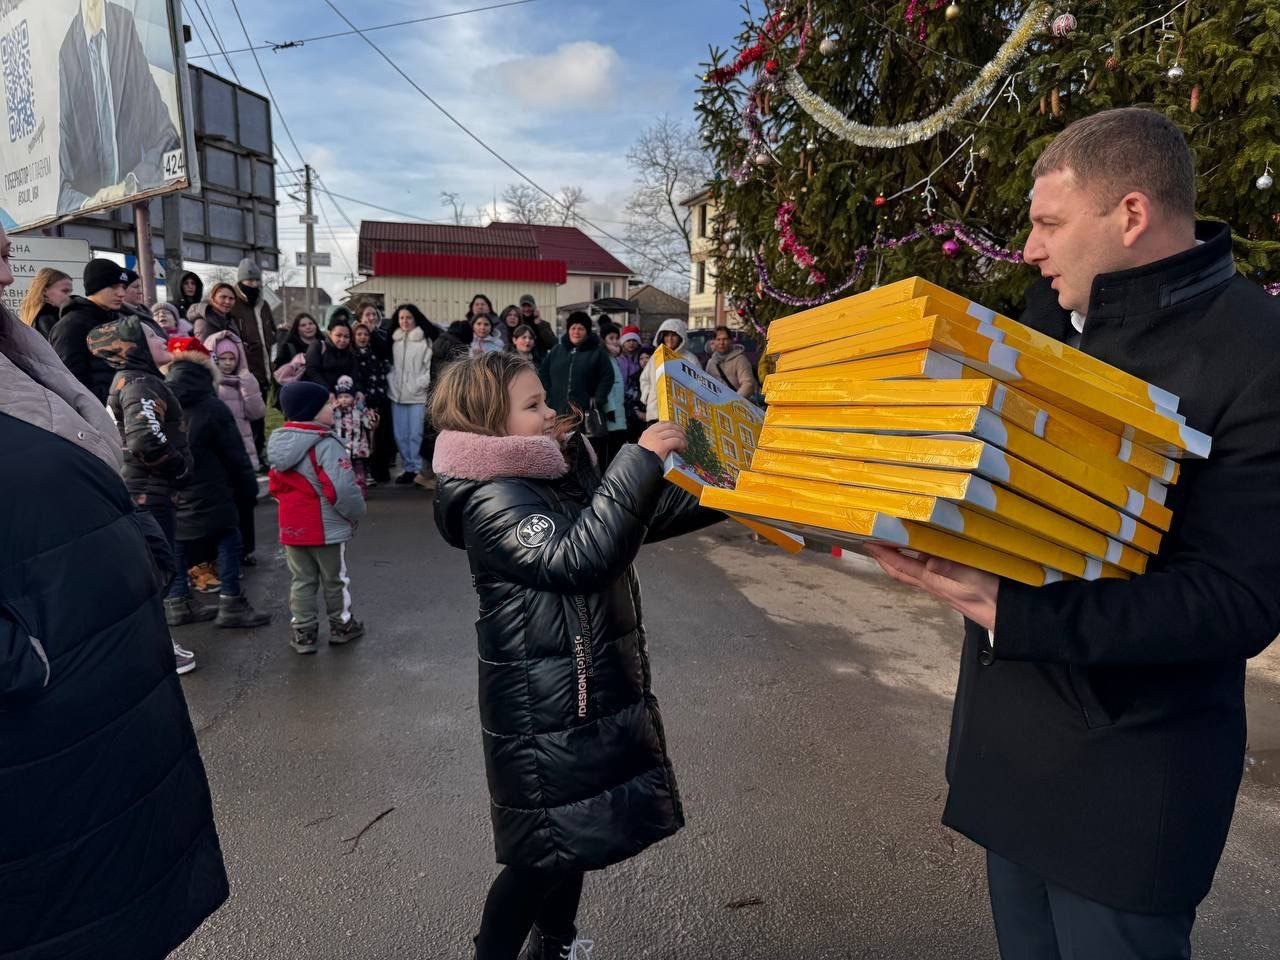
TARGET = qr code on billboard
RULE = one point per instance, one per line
(19, 91)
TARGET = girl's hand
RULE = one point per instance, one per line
(663, 439)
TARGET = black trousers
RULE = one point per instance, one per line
(518, 899)
(259, 428)
(384, 443)
(248, 532)
(1038, 920)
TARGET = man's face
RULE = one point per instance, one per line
(1071, 241)
(721, 343)
(527, 310)
(110, 298)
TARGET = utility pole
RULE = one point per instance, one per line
(146, 259)
(311, 245)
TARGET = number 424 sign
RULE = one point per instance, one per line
(175, 165)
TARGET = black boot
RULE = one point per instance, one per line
(236, 612)
(340, 633)
(180, 611)
(544, 946)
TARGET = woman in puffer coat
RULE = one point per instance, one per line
(237, 388)
(575, 753)
(108, 848)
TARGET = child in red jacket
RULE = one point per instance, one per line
(320, 503)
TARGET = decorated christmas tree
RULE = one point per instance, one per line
(857, 144)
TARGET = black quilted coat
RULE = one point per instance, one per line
(579, 776)
(157, 460)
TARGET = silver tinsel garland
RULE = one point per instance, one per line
(899, 135)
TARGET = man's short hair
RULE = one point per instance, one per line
(725, 330)
(1116, 152)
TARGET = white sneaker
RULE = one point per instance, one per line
(184, 660)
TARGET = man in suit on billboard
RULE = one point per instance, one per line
(114, 125)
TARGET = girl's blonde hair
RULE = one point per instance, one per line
(34, 299)
(472, 395)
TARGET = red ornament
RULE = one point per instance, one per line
(950, 249)
(880, 201)
(742, 311)
(771, 67)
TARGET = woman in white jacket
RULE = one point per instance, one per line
(408, 386)
(674, 335)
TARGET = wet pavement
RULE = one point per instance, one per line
(806, 702)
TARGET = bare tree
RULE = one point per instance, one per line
(527, 204)
(569, 209)
(524, 204)
(669, 166)
(454, 202)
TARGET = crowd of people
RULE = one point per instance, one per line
(189, 382)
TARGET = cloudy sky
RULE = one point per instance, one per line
(558, 87)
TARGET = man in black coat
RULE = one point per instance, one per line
(107, 846)
(1098, 736)
(114, 126)
(104, 285)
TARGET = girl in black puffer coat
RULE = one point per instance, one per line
(575, 753)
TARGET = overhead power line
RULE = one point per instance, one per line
(217, 39)
(488, 149)
(291, 44)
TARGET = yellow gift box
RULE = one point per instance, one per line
(849, 527)
(961, 488)
(1000, 400)
(1062, 429)
(1164, 432)
(919, 464)
(934, 512)
(916, 299)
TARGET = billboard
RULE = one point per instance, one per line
(93, 93)
(233, 214)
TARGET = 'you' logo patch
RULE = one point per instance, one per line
(534, 531)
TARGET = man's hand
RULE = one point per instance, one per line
(113, 192)
(972, 592)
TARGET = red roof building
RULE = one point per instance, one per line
(440, 268)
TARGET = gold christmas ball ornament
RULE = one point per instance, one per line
(829, 45)
(762, 159)
(953, 11)
(984, 152)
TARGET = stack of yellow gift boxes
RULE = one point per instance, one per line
(909, 415)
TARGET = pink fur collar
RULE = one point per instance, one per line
(473, 456)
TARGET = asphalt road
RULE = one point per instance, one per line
(806, 702)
